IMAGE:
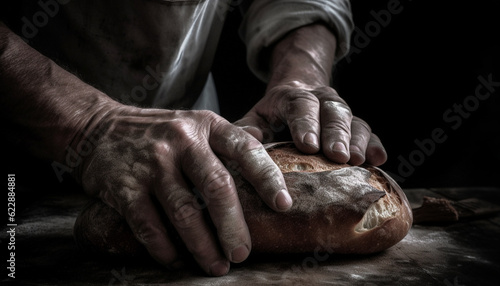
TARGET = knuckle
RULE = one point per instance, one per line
(337, 107)
(337, 126)
(360, 138)
(184, 130)
(208, 114)
(253, 157)
(361, 124)
(230, 137)
(212, 117)
(282, 90)
(189, 125)
(269, 172)
(125, 198)
(359, 143)
(241, 145)
(214, 120)
(306, 121)
(185, 215)
(293, 95)
(336, 116)
(147, 233)
(160, 150)
(299, 99)
(218, 185)
(327, 92)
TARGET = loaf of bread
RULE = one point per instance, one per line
(336, 208)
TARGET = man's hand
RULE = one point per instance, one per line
(299, 95)
(145, 163)
(149, 162)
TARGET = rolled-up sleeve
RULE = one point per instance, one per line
(266, 21)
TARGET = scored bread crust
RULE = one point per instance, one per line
(357, 224)
(337, 208)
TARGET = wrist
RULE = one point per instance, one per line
(305, 56)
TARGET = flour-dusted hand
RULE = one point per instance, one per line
(299, 95)
(149, 162)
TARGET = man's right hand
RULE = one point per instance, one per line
(146, 163)
(153, 161)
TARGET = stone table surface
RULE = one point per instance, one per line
(461, 253)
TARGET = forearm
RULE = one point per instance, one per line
(305, 55)
(44, 107)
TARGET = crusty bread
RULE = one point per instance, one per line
(336, 208)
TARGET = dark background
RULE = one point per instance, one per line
(402, 80)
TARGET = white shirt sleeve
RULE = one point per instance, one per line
(266, 21)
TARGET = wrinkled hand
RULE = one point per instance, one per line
(299, 95)
(318, 119)
(150, 162)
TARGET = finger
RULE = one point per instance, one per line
(145, 222)
(254, 163)
(129, 194)
(217, 187)
(186, 216)
(375, 151)
(257, 126)
(360, 136)
(336, 120)
(302, 116)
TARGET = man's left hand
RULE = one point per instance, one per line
(299, 95)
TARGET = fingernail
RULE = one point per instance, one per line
(283, 200)
(311, 139)
(356, 156)
(219, 268)
(356, 149)
(339, 147)
(239, 254)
